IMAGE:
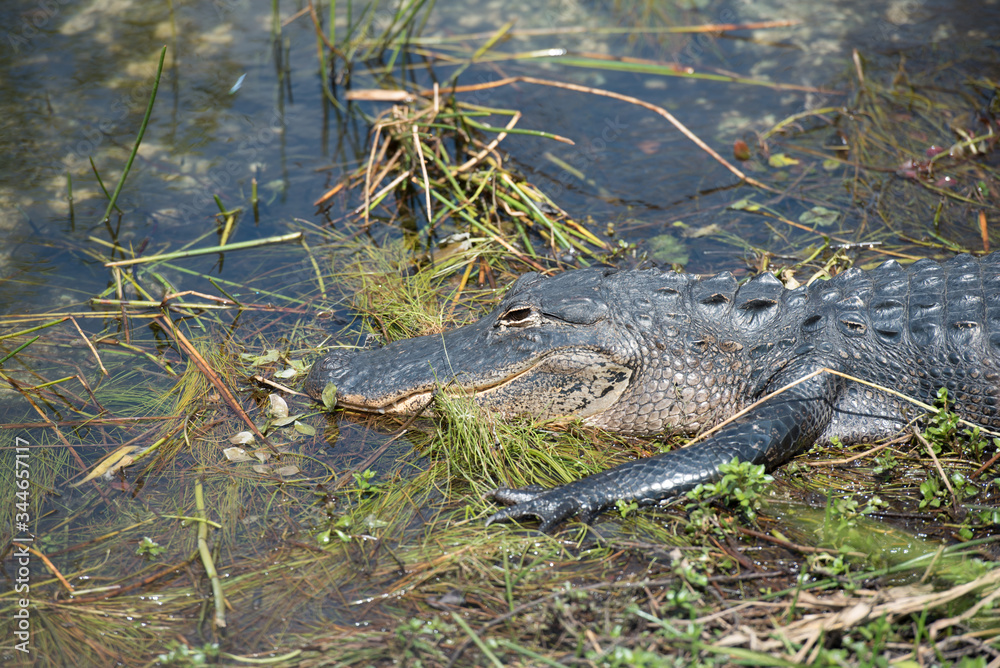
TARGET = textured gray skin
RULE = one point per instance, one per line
(647, 352)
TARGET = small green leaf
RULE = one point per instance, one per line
(819, 216)
(282, 422)
(150, 548)
(744, 205)
(704, 231)
(329, 396)
(268, 357)
(779, 160)
(304, 428)
(665, 248)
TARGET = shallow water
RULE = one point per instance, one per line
(75, 88)
(233, 107)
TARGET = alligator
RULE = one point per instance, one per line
(651, 352)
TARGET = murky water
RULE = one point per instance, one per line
(236, 106)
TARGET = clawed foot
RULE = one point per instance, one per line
(551, 506)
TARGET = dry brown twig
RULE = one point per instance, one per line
(624, 98)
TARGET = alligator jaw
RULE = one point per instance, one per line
(417, 400)
(567, 382)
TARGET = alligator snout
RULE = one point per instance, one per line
(331, 369)
(397, 378)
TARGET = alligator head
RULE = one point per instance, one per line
(550, 349)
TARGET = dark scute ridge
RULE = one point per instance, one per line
(813, 323)
(761, 288)
(888, 303)
(524, 282)
(926, 276)
(926, 307)
(852, 323)
(990, 267)
(714, 295)
(852, 302)
(889, 267)
(757, 301)
(845, 278)
(965, 307)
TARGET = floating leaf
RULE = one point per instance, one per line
(116, 460)
(779, 160)
(287, 471)
(286, 373)
(241, 438)
(235, 454)
(819, 216)
(744, 205)
(263, 469)
(150, 548)
(665, 248)
(303, 428)
(126, 460)
(704, 231)
(830, 164)
(285, 421)
(268, 357)
(329, 396)
(279, 407)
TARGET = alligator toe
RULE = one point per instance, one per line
(550, 506)
(510, 496)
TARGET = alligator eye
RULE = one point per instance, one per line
(519, 316)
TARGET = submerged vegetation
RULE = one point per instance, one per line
(222, 517)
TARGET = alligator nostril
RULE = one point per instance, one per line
(331, 363)
(333, 368)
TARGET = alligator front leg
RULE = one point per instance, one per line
(770, 434)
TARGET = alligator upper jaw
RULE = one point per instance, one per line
(402, 378)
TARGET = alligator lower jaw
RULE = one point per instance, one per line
(576, 383)
(408, 405)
